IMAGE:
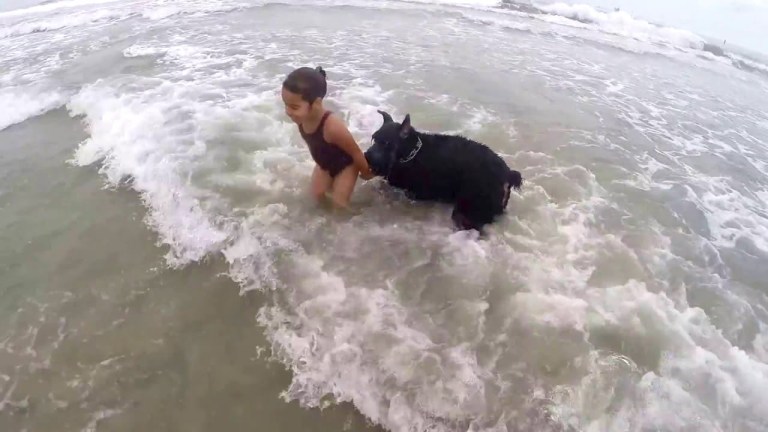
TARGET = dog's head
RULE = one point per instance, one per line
(391, 142)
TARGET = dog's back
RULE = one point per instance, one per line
(449, 167)
(472, 160)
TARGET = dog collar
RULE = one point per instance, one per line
(413, 152)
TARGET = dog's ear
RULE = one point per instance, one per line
(387, 117)
(405, 127)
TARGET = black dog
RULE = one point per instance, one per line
(443, 168)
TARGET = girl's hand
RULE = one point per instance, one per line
(337, 133)
(367, 174)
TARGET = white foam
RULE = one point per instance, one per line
(105, 15)
(733, 216)
(62, 22)
(409, 4)
(53, 6)
(196, 8)
(760, 344)
(128, 136)
(553, 310)
(19, 104)
(700, 376)
(471, 3)
(98, 416)
(357, 344)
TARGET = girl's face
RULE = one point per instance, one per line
(295, 107)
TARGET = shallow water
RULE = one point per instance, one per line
(625, 289)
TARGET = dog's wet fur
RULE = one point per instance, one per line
(444, 168)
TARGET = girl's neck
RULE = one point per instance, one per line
(313, 119)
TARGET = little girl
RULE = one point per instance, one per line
(337, 156)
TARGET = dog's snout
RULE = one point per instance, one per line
(375, 159)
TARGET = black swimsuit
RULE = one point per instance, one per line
(328, 156)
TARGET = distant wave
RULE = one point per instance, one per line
(621, 23)
(46, 7)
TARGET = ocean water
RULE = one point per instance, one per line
(162, 268)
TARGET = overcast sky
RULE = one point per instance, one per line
(741, 22)
(6, 5)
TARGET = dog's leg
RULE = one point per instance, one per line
(463, 223)
(505, 199)
(460, 220)
(471, 212)
(514, 180)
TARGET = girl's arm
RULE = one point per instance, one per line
(337, 133)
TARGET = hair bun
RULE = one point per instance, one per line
(322, 72)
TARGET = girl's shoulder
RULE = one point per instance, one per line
(333, 127)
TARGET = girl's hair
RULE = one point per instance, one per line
(307, 82)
